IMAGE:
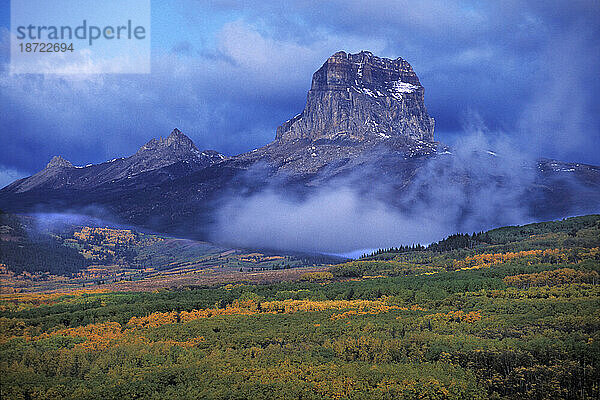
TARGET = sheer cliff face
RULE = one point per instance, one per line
(362, 97)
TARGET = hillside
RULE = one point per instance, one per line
(511, 313)
(63, 252)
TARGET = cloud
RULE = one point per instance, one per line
(332, 220)
(470, 190)
(9, 175)
(562, 117)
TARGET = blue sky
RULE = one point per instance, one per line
(227, 73)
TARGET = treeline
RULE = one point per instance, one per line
(44, 256)
(399, 249)
(36, 252)
(569, 226)
(456, 241)
(499, 236)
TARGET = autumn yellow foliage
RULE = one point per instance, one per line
(489, 259)
(108, 235)
(559, 276)
(251, 307)
(316, 276)
(97, 336)
(456, 316)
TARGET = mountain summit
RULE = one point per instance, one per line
(176, 147)
(176, 143)
(360, 97)
(162, 159)
(59, 162)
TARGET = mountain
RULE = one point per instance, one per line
(360, 108)
(361, 97)
(365, 127)
(166, 158)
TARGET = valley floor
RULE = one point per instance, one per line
(513, 313)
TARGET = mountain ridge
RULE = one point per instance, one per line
(170, 186)
(156, 154)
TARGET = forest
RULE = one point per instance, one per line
(512, 313)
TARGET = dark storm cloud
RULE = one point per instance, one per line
(528, 68)
(499, 59)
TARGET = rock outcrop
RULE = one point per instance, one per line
(360, 97)
(59, 162)
(176, 147)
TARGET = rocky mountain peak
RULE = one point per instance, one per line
(177, 142)
(342, 71)
(161, 152)
(59, 162)
(178, 138)
(362, 97)
(165, 158)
